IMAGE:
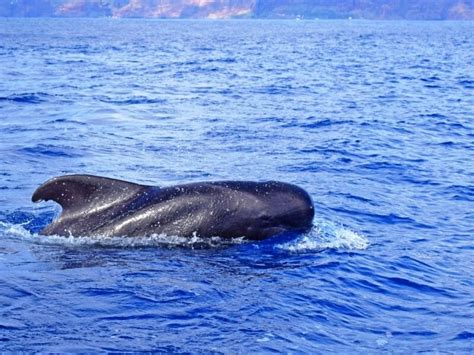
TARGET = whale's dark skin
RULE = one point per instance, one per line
(99, 206)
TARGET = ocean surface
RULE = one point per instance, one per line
(374, 119)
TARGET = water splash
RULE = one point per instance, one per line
(326, 235)
(155, 240)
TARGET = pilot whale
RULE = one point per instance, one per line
(101, 206)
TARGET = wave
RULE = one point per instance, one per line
(49, 150)
(29, 98)
(133, 100)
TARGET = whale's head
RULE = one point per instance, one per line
(276, 208)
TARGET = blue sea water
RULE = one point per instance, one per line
(374, 119)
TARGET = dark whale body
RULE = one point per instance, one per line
(99, 206)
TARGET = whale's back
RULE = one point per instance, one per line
(93, 205)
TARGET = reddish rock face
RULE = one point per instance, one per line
(370, 9)
(185, 8)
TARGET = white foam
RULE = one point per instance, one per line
(326, 235)
(17, 230)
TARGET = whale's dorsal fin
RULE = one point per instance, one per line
(79, 192)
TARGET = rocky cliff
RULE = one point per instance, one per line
(371, 9)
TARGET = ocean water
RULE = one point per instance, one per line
(374, 119)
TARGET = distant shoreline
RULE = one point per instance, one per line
(413, 10)
(237, 19)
